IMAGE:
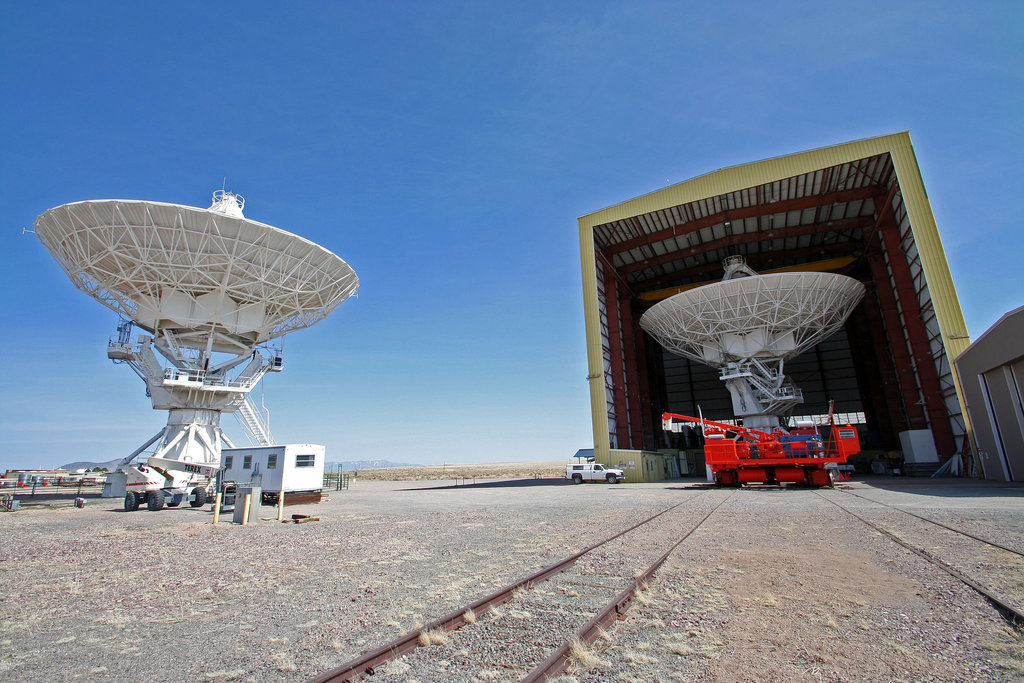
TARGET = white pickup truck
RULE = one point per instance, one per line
(590, 471)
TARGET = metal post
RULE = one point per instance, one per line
(280, 507)
(245, 511)
(216, 507)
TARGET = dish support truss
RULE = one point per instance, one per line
(195, 395)
(748, 325)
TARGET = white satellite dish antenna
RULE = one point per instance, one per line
(210, 288)
(748, 325)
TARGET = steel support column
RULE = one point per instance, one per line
(890, 316)
(611, 296)
(639, 411)
(917, 335)
(631, 370)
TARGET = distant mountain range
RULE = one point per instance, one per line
(83, 465)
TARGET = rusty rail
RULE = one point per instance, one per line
(366, 664)
(932, 521)
(616, 610)
(1006, 609)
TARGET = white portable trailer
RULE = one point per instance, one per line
(292, 469)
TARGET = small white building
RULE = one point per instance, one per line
(289, 468)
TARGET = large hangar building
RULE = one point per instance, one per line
(860, 209)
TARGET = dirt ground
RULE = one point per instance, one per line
(779, 584)
(496, 470)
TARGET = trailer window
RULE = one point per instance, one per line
(227, 461)
(247, 462)
(272, 461)
(304, 460)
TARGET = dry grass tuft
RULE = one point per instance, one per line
(232, 675)
(396, 667)
(681, 648)
(437, 636)
(284, 662)
(638, 658)
(115, 619)
(582, 658)
(469, 616)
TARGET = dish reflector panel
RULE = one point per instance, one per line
(192, 270)
(775, 316)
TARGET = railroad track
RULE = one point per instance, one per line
(1010, 608)
(533, 638)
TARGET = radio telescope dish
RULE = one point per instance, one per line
(747, 325)
(211, 288)
(194, 271)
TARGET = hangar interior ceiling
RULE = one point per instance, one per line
(887, 368)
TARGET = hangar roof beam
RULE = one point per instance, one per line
(798, 204)
(746, 238)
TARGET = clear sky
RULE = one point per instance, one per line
(445, 150)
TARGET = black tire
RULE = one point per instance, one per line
(131, 502)
(612, 479)
(200, 497)
(155, 500)
(577, 478)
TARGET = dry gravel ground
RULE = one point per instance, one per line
(780, 584)
(493, 470)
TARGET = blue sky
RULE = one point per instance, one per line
(445, 150)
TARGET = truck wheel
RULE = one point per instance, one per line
(577, 478)
(612, 479)
(200, 500)
(131, 502)
(155, 500)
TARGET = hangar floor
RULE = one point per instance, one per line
(778, 584)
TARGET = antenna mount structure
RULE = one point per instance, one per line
(748, 325)
(207, 290)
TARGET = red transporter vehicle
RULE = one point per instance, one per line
(738, 455)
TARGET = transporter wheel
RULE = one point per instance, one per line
(131, 502)
(155, 500)
(200, 497)
(577, 478)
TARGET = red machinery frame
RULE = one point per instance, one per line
(739, 455)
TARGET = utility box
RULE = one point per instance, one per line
(241, 491)
(116, 485)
